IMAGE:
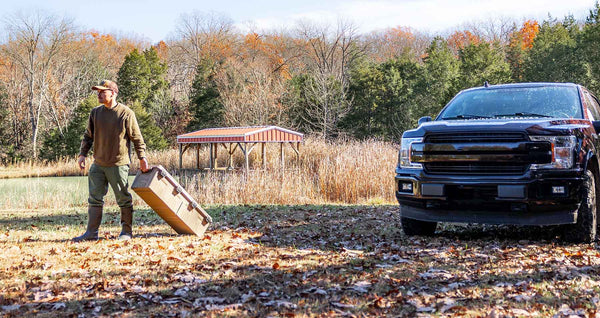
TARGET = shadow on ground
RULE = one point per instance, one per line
(319, 260)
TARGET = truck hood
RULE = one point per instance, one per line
(553, 126)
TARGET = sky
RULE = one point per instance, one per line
(155, 20)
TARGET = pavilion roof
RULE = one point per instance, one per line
(241, 134)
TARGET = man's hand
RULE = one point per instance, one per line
(81, 162)
(144, 165)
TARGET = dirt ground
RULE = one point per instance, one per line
(291, 261)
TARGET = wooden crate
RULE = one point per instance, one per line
(170, 201)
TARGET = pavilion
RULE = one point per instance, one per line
(244, 138)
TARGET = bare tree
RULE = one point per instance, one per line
(395, 42)
(198, 36)
(74, 71)
(494, 29)
(251, 93)
(329, 55)
(34, 41)
(11, 79)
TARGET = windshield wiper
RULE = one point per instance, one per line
(522, 114)
(466, 116)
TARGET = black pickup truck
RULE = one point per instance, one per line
(523, 154)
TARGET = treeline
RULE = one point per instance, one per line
(323, 80)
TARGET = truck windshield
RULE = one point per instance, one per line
(519, 102)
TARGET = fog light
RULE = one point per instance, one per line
(406, 187)
(558, 190)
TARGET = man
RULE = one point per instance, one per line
(111, 128)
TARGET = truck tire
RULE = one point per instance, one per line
(584, 231)
(415, 227)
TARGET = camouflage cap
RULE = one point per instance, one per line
(106, 84)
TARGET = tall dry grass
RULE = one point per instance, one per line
(36, 168)
(327, 172)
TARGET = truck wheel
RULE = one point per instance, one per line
(415, 227)
(584, 231)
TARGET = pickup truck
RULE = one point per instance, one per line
(524, 154)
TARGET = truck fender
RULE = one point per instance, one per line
(588, 159)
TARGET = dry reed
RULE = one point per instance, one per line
(326, 172)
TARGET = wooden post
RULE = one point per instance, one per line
(297, 151)
(230, 156)
(197, 156)
(210, 145)
(264, 156)
(282, 159)
(246, 157)
(298, 155)
(216, 149)
(180, 157)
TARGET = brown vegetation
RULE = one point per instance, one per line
(327, 172)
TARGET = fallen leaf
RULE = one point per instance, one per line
(209, 300)
(10, 307)
(342, 306)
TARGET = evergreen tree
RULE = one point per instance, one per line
(56, 145)
(158, 99)
(143, 86)
(153, 136)
(134, 78)
(142, 77)
(480, 63)
(205, 108)
(589, 49)
(442, 72)
(384, 98)
(515, 55)
(296, 100)
(366, 88)
(554, 56)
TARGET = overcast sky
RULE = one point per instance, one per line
(155, 20)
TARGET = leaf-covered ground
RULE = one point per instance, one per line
(291, 261)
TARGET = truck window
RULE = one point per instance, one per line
(592, 104)
(546, 101)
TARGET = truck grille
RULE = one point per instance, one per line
(475, 137)
(476, 167)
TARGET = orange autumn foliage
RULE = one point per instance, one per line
(272, 50)
(399, 33)
(528, 32)
(110, 50)
(460, 39)
(397, 41)
(162, 50)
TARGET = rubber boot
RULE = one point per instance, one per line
(94, 220)
(126, 220)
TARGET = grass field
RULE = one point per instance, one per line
(48, 193)
(290, 261)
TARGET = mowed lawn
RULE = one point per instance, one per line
(290, 261)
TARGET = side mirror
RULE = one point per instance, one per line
(596, 124)
(428, 118)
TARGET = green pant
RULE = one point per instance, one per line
(100, 177)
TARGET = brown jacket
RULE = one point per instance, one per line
(111, 132)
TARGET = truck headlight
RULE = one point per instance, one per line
(404, 154)
(563, 149)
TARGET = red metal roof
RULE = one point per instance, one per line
(241, 134)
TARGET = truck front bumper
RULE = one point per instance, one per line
(526, 200)
(490, 217)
